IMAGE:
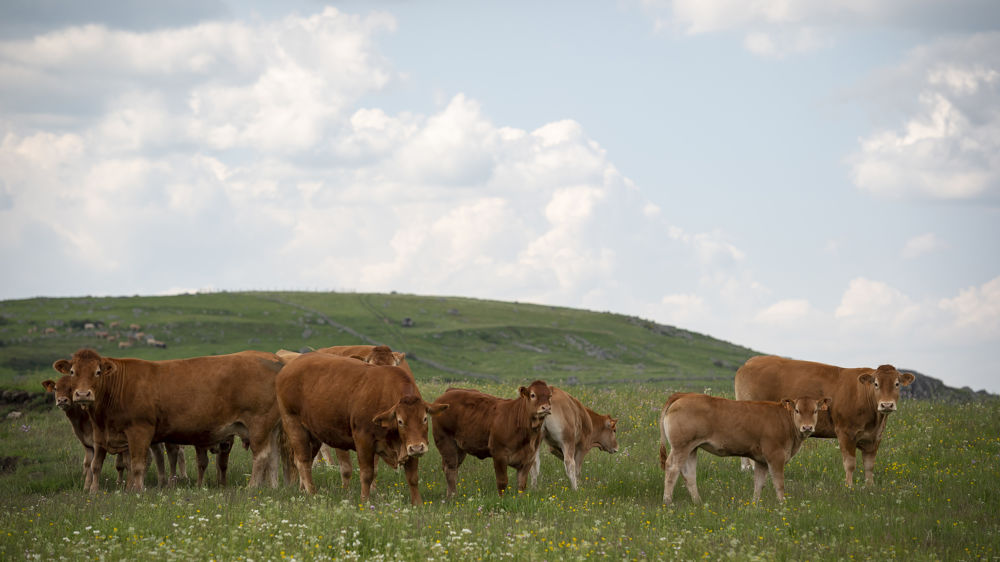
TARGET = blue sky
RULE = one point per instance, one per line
(815, 180)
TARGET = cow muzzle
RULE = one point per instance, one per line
(807, 430)
(416, 450)
(83, 397)
(63, 403)
(543, 411)
(886, 407)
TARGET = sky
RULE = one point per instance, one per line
(819, 180)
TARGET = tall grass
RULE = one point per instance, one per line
(936, 497)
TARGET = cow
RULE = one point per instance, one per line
(508, 430)
(769, 433)
(221, 451)
(84, 431)
(349, 404)
(571, 430)
(372, 354)
(863, 398)
(198, 401)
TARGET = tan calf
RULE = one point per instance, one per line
(770, 433)
(571, 430)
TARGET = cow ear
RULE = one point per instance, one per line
(49, 385)
(788, 404)
(63, 366)
(433, 409)
(614, 423)
(360, 358)
(386, 419)
(866, 378)
(824, 404)
(524, 391)
(107, 367)
(399, 355)
(906, 378)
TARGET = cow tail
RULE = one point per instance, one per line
(284, 448)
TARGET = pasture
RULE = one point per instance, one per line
(936, 498)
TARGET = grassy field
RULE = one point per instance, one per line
(936, 497)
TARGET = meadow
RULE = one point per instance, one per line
(935, 498)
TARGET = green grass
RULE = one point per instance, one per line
(936, 497)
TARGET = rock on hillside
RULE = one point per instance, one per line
(929, 388)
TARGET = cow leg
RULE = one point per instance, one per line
(848, 450)
(88, 459)
(121, 465)
(413, 479)
(690, 472)
(535, 466)
(96, 464)
(760, 470)
(366, 466)
(344, 462)
(139, 438)
(778, 479)
(451, 459)
(500, 468)
(175, 454)
(161, 472)
(222, 462)
(201, 460)
(302, 449)
(264, 445)
(569, 463)
(180, 462)
(522, 476)
(868, 459)
(671, 470)
(747, 463)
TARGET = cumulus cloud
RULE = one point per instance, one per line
(922, 244)
(948, 147)
(975, 311)
(776, 28)
(785, 312)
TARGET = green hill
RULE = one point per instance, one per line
(445, 338)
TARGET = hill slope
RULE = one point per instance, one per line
(444, 337)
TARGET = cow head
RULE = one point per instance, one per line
(409, 418)
(885, 384)
(538, 394)
(805, 411)
(606, 436)
(382, 355)
(63, 390)
(85, 369)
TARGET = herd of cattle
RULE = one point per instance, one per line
(287, 407)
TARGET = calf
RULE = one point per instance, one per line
(770, 433)
(508, 430)
(571, 430)
(349, 404)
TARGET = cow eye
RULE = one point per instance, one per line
(400, 422)
(876, 384)
(897, 384)
(72, 371)
(532, 395)
(425, 418)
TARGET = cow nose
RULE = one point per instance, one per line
(887, 406)
(416, 450)
(807, 429)
(83, 396)
(62, 402)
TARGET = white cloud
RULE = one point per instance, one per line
(975, 311)
(922, 244)
(874, 303)
(786, 312)
(949, 146)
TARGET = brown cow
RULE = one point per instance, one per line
(371, 354)
(863, 398)
(571, 430)
(83, 429)
(348, 404)
(199, 401)
(509, 430)
(770, 433)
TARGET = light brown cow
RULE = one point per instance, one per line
(863, 398)
(371, 354)
(83, 429)
(348, 404)
(571, 430)
(199, 401)
(508, 430)
(769, 433)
